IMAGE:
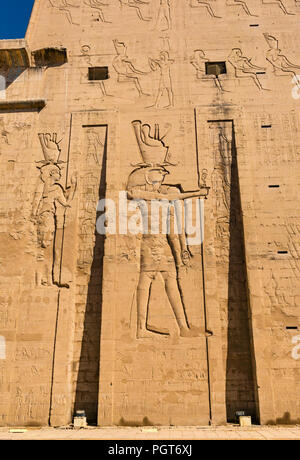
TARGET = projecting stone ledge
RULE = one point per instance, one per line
(14, 53)
(31, 104)
(50, 57)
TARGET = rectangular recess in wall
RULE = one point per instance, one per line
(292, 328)
(98, 73)
(282, 252)
(274, 186)
(266, 126)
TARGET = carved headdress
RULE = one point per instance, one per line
(152, 148)
(51, 148)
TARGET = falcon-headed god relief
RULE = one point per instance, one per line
(162, 255)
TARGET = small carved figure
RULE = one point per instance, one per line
(93, 144)
(64, 6)
(244, 67)
(164, 16)
(161, 255)
(242, 4)
(198, 61)
(279, 61)
(278, 3)
(165, 83)
(136, 4)
(125, 68)
(97, 5)
(85, 52)
(207, 5)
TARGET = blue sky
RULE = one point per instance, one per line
(14, 17)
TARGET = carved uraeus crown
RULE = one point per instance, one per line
(51, 148)
(152, 148)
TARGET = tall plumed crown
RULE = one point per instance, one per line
(152, 148)
(51, 149)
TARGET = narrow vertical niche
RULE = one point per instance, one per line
(232, 275)
(90, 267)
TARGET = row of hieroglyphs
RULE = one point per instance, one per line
(128, 72)
(160, 12)
(295, 351)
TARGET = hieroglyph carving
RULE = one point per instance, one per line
(162, 255)
(50, 202)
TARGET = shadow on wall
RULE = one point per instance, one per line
(240, 367)
(285, 420)
(86, 396)
(145, 422)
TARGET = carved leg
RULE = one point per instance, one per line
(143, 296)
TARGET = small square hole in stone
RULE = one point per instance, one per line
(215, 68)
(98, 73)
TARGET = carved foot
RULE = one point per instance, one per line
(143, 333)
(194, 331)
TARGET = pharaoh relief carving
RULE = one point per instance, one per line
(162, 256)
(125, 69)
(66, 7)
(244, 68)
(50, 201)
(198, 60)
(280, 63)
(163, 66)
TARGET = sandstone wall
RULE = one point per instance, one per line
(68, 298)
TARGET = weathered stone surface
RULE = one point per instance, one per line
(164, 97)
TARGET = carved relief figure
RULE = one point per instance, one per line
(162, 255)
(279, 61)
(244, 67)
(242, 4)
(66, 7)
(207, 5)
(93, 145)
(278, 3)
(136, 4)
(163, 20)
(165, 83)
(97, 5)
(198, 61)
(125, 68)
(49, 197)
